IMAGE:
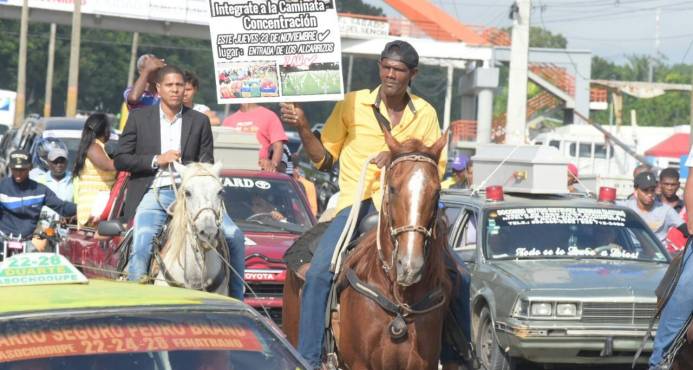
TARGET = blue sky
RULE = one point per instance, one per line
(611, 29)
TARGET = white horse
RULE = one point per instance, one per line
(192, 254)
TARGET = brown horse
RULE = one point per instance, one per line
(394, 286)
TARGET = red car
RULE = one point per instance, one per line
(270, 208)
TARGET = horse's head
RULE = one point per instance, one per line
(411, 203)
(200, 195)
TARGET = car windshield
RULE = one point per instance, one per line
(265, 205)
(563, 232)
(175, 341)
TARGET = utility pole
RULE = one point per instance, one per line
(73, 73)
(20, 102)
(650, 75)
(133, 58)
(49, 73)
(517, 90)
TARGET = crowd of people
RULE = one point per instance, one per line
(165, 125)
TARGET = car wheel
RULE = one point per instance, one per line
(490, 354)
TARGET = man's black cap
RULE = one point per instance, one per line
(401, 51)
(20, 160)
(645, 180)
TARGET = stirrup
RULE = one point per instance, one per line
(332, 362)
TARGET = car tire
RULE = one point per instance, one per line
(490, 354)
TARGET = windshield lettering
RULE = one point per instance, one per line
(583, 216)
(235, 182)
(90, 339)
(569, 232)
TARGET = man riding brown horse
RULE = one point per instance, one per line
(353, 132)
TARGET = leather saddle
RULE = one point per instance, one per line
(299, 255)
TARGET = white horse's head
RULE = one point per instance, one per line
(201, 193)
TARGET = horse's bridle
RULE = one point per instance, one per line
(427, 232)
(218, 219)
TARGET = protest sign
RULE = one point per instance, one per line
(275, 50)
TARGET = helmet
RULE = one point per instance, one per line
(41, 147)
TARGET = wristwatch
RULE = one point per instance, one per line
(155, 162)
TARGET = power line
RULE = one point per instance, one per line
(637, 39)
(596, 3)
(619, 13)
(570, 58)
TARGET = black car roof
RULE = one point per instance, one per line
(478, 199)
(63, 123)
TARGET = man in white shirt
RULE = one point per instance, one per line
(153, 138)
(57, 178)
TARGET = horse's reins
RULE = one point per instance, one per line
(401, 310)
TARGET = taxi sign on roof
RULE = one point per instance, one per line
(39, 269)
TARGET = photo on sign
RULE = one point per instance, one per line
(249, 80)
(311, 79)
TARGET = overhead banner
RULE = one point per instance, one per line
(276, 50)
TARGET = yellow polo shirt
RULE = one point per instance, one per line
(351, 134)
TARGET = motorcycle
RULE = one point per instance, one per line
(49, 234)
(13, 244)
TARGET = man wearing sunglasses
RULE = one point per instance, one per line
(57, 178)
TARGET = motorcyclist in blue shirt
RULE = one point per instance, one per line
(21, 200)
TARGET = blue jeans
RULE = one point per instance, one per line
(316, 291)
(317, 287)
(150, 218)
(675, 313)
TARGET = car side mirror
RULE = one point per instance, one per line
(110, 228)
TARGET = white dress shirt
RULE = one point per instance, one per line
(170, 140)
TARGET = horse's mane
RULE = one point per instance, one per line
(177, 232)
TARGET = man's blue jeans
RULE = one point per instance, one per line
(675, 313)
(150, 218)
(317, 289)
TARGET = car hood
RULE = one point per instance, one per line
(263, 250)
(581, 276)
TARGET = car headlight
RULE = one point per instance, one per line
(541, 309)
(566, 310)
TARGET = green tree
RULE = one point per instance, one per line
(543, 38)
(358, 7)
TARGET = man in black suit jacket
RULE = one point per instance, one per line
(153, 138)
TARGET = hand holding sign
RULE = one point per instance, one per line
(153, 64)
(293, 115)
